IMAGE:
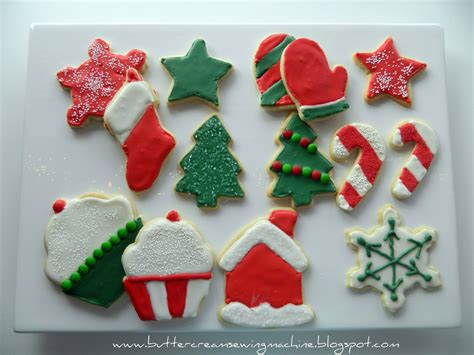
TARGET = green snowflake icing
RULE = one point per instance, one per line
(392, 259)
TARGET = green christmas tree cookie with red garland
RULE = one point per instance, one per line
(210, 169)
(300, 170)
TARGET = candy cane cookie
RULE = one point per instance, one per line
(414, 170)
(363, 174)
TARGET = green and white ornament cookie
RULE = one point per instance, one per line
(84, 242)
(392, 258)
(196, 75)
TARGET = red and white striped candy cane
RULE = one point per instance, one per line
(426, 147)
(362, 176)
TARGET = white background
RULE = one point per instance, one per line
(455, 17)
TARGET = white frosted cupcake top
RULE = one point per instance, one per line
(165, 247)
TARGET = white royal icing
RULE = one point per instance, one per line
(358, 180)
(338, 150)
(373, 137)
(127, 107)
(415, 167)
(264, 232)
(428, 134)
(163, 247)
(197, 290)
(157, 293)
(264, 315)
(400, 190)
(401, 245)
(341, 202)
(82, 226)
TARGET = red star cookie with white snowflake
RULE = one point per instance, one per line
(390, 73)
(95, 82)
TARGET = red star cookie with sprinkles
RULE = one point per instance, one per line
(95, 82)
(390, 73)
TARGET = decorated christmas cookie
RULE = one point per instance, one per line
(168, 269)
(426, 146)
(392, 258)
(300, 170)
(85, 240)
(210, 169)
(263, 281)
(132, 118)
(196, 75)
(267, 71)
(94, 83)
(316, 89)
(389, 73)
(366, 168)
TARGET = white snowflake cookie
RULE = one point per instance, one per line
(392, 258)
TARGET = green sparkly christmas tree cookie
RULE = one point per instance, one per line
(196, 75)
(84, 242)
(210, 169)
(300, 170)
(392, 258)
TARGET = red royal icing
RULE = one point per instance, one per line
(140, 298)
(284, 220)
(172, 216)
(59, 205)
(369, 162)
(350, 194)
(315, 175)
(268, 44)
(94, 83)
(184, 276)
(147, 147)
(304, 142)
(409, 180)
(277, 165)
(176, 296)
(262, 276)
(296, 170)
(287, 134)
(391, 73)
(409, 133)
(308, 77)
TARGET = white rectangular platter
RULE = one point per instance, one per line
(63, 162)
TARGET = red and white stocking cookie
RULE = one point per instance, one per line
(363, 174)
(264, 266)
(389, 73)
(94, 83)
(426, 146)
(132, 118)
(168, 269)
(316, 89)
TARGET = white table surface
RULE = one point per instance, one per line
(454, 16)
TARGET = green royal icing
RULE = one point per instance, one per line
(273, 94)
(324, 111)
(301, 188)
(272, 57)
(102, 275)
(210, 170)
(196, 74)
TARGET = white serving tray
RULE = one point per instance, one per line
(64, 162)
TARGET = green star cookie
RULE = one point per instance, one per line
(196, 74)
